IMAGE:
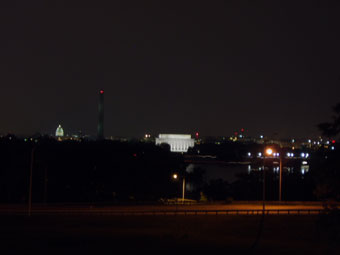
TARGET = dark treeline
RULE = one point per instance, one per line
(86, 171)
(116, 172)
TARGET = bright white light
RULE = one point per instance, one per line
(277, 154)
(332, 148)
(293, 140)
(309, 140)
(304, 162)
(292, 154)
(261, 136)
(259, 154)
(302, 155)
(288, 154)
(269, 151)
(327, 142)
(249, 154)
(307, 155)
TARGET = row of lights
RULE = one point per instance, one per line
(276, 154)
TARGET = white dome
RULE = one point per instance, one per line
(59, 132)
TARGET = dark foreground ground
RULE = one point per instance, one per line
(168, 235)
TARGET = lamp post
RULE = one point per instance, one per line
(280, 178)
(30, 183)
(268, 152)
(175, 177)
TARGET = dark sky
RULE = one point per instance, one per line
(169, 66)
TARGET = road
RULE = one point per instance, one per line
(234, 208)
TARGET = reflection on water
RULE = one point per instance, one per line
(230, 172)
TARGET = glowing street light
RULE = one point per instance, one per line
(175, 177)
(269, 151)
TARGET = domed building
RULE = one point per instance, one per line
(59, 133)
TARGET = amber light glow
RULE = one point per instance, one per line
(269, 151)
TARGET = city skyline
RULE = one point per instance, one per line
(216, 68)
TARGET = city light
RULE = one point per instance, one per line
(175, 176)
(290, 154)
(269, 151)
(249, 154)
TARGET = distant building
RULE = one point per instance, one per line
(59, 132)
(178, 143)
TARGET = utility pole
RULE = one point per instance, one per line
(280, 179)
(30, 182)
(183, 190)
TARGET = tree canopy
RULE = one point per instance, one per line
(332, 128)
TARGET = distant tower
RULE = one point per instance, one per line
(100, 128)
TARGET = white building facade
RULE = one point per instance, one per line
(59, 132)
(178, 143)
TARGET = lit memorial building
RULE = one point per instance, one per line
(178, 143)
(59, 133)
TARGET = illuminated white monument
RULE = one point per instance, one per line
(59, 132)
(178, 143)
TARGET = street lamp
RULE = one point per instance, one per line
(269, 152)
(30, 182)
(175, 177)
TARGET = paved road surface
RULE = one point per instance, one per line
(242, 208)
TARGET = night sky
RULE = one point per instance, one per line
(211, 66)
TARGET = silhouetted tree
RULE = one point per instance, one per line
(331, 129)
(326, 163)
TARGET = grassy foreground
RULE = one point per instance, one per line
(167, 235)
